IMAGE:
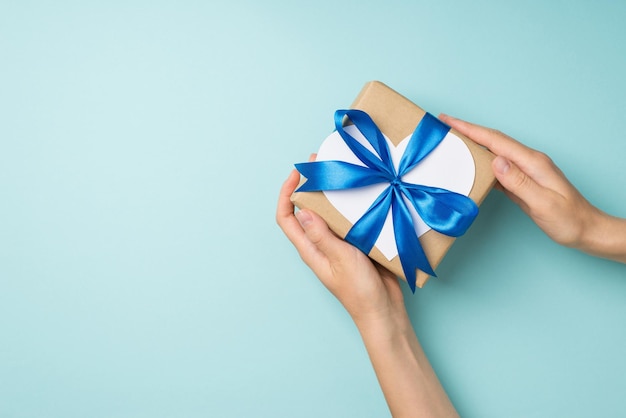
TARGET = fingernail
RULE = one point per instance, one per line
(304, 217)
(501, 165)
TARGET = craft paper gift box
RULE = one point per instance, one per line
(456, 164)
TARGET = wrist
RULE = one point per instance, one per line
(385, 327)
(605, 236)
(593, 222)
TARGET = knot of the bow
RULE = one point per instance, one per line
(395, 182)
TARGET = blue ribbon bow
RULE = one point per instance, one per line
(444, 211)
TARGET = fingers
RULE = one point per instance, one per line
(495, 141)
(284, 210)
(534, 163)
(318, 233)
(307, 231)
(520, 187)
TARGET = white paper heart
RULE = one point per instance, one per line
(449, 166)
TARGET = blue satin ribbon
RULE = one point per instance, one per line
(444, 211)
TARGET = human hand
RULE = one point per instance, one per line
(372, 296)
(538, 186)
(368, 291)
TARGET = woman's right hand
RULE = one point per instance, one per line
(536, 184)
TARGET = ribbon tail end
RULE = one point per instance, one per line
(411, 279)
(302, 188)
(412, 285)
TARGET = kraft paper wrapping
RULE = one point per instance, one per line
(397, 117)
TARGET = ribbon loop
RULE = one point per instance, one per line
(375, 137)
(442, 210)
(427, 136)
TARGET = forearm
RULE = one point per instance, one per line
(406, 378)
(605, 237)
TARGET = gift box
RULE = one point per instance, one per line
(396, 182)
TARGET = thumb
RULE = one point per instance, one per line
(317, 231)
(520, 185)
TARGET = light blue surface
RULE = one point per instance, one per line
(142, 145)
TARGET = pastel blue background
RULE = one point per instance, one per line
(142, 146)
